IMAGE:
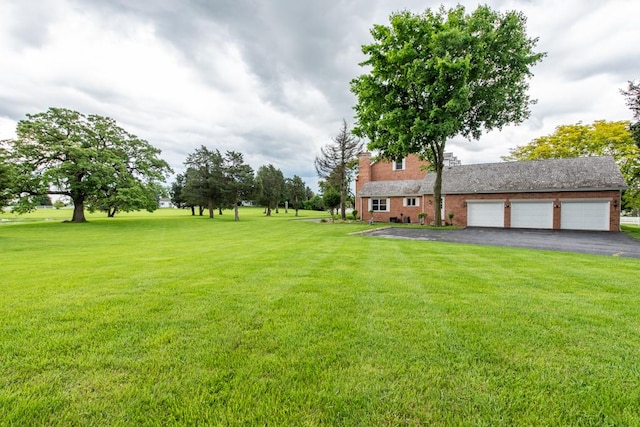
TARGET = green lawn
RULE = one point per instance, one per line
(168, 319)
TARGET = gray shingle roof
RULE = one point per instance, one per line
(583, 173)
(392, 188)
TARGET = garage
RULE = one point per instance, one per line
(585, 215)
(485, 214)
(532, 214)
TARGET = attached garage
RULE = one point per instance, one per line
(532, 214)
(585, 215)
(485, 214)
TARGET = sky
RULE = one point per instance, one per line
(270, 78)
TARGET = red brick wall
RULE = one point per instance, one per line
(456, 204)
(382, 170)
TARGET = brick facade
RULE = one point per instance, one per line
(384, 170)
(415, 169)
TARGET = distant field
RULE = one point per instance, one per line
(162, 319)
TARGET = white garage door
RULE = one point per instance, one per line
(583, 215)
(532, 214)
(485, 214)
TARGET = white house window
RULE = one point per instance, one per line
(379, 205)
(398, 165)
(411, 201)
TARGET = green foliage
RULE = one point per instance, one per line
(239, 181)
(337, 163)
(440, 74)
(204, 179)
(331, 200)
(6, 181)
(87, 158)
(315, 203)
(295, 323)
(296, 192)
(602, 138)
(270, 187)
(42, 200)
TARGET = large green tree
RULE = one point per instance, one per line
(87, 158)
(601, 138)
(296, 192)
(270, 186)
(240, 182)
(204, 179)
(440, 74)
(337, 162)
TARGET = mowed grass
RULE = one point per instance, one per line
(168, 319)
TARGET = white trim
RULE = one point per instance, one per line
(404, 164)
(388, 204)
(406, 199)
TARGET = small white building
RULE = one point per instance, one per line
(165, 202)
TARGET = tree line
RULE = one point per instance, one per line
(99, 166)
(214, 181)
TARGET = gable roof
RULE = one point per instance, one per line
(573, 174)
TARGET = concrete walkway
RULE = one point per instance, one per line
(587, 242)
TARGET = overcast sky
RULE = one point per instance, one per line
(270, 78)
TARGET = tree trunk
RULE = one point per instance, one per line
(437, 185)
(78, 210)
(219, 211)
(343, 199)
(210, 207)
(193, 211)
(235, 211)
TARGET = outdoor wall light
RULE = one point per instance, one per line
(464, 205)
(615, 203)
(507, 205)
(557, 205)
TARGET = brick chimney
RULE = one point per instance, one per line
(364, 176)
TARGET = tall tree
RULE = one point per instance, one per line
(204, 179)
(177, 198)
(602, 138)
(633, 101)
(239, 180)
(337, 161)
(87, 158)
(440, 74)
(270, 186)
(296, 192)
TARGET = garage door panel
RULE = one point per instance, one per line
(532, 215)
(585, 215)
(485, 214)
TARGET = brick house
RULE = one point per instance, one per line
(578, 194)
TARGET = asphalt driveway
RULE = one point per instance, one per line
(587, 242)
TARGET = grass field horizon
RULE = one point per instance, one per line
(166, 319)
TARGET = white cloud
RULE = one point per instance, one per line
(271, 79)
